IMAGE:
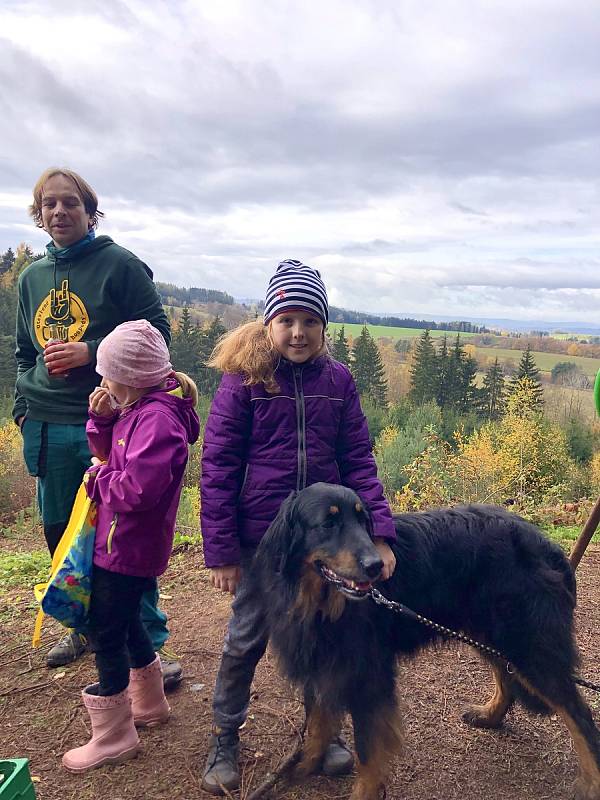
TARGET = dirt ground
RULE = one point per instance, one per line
(41, 714)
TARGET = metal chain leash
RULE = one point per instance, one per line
(447, 633)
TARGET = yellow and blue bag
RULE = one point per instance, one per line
(66, 594)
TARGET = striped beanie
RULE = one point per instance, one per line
(296, 287)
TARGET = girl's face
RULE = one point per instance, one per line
(121, 394)
(297, 335)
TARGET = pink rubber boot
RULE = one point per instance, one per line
(114, 737)
(147, 694)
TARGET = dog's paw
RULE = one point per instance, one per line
(480, 717)
(368, 791)
(305, 767)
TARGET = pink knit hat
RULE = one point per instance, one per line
(134, 354)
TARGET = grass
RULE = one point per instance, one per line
(23, 569)
(544, 361)
(389, 332)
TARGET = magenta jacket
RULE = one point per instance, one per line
(137, 490)
(258, 448)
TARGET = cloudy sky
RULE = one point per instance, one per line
(430, 157)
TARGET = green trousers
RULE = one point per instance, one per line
(58, 455)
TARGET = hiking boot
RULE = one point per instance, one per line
(171, 669)
(338, 760)
(67, 650)
(221, 771)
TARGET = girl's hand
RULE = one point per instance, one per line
(100, 402)
(226, 578)
(388, 557)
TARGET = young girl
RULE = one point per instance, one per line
(142, 420)
(286, 415)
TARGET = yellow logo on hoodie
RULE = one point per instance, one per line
(61, 315)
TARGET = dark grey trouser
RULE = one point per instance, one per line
(245, 644)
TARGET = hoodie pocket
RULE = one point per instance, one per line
(111, 533)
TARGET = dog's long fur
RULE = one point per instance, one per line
(478, 569)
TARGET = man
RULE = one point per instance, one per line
(68, 301)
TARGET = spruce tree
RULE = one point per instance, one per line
(462, 372)
(443, 376)
(528, 369)
(367, 368)
(423, 371)
(493, 392)
(185, 346)
(209, 378)
(341, 350)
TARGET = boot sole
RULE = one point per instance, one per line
(217, 790)
(127, 755)
(151, 723)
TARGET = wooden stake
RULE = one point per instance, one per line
(585, 536)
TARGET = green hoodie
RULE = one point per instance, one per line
(82, 297)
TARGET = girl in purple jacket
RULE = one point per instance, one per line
(141, 421)
(286, 415)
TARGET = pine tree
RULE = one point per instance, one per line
(367, 368)
(462, 372)
(443, 376)
(341, 350)
(7, 260)
(423, 371)
(209, 378)
(528, 369)
(493, 392)
(185, 347)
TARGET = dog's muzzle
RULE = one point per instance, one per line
(356, 590)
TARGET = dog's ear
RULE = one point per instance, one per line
(368, 519)
(285, 536)
(279, 541)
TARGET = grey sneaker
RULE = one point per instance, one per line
(221, 771)
(338, 759)
(171, 669)
(67, 650)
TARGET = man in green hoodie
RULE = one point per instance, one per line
(68, 301)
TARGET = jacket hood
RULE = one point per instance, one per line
(182, 407)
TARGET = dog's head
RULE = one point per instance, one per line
(325, 527)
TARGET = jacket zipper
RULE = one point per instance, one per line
(111, 533)
(300, 429)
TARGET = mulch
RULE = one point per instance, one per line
(41, 714)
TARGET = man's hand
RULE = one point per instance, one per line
(389, 559)
(60, 357)
(226, 578)
(100, 402)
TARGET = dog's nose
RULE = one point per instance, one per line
(371, 565)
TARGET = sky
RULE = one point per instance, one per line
(427, 156)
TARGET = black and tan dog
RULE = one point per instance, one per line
(478, 569)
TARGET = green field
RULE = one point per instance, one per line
(544, 361)
(389, 332)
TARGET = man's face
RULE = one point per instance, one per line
(63, 213)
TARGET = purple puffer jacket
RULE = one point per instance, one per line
(260, 447)
(137, 490)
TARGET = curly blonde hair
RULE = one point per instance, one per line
(249, 350)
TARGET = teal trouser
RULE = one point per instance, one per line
(58, 455)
